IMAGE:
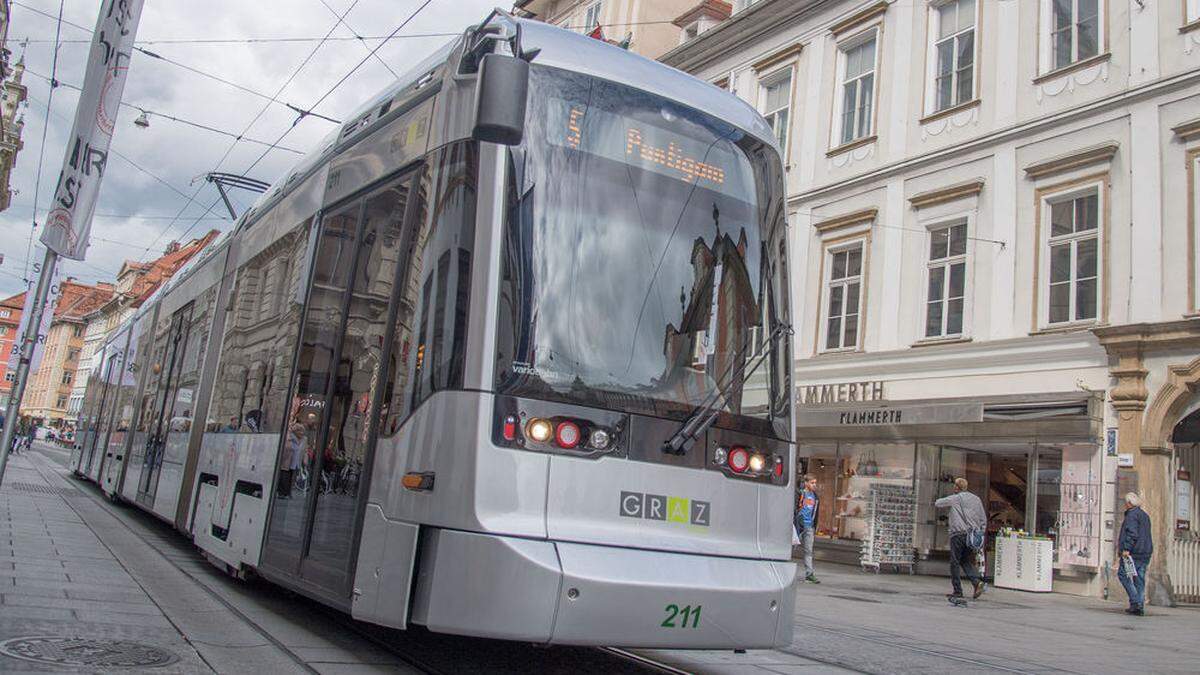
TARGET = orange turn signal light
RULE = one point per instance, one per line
(417, 481)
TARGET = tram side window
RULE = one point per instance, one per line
(191, 361)
(173, 368)
(143, 346)
(128, 389)
(262, 325)
(429, 345)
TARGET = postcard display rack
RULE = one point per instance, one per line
(889, 539)
(1077, 529)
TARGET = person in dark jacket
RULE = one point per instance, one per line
(1136, 546)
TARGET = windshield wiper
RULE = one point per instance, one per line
(706, 413)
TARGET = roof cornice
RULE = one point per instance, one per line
(740, 31)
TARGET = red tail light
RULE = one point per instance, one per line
(778, 466)
(510, 428)
(739, 460)
(567, 435)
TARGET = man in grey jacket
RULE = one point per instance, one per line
(966, 516)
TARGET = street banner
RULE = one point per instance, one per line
(70, 218)
(35, 358)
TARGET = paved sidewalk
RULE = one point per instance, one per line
(78, 584)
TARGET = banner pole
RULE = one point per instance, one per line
(28, 343)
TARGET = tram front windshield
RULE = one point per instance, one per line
(643, 258)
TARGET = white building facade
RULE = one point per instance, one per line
(994, 254)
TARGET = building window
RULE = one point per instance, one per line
(10, 376)
(954, 54)
(4, 313)
(591, 17)
(66, 378)
(1193, 177)
(77, 331)
(1074, 31)
(776, 105)
(844, 293)
(1074, 254)
(3, 330)
(61, 403)
(857, 88)
(947, 281)
(691, 31)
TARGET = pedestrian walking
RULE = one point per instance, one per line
(1136, 546)
(968, 522)
(293, 450)
(808, 506)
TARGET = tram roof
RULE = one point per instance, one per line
(559, 48)
(579, 53)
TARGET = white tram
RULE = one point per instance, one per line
(507, 369)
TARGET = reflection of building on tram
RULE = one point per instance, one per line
(715, 326)
(260, 334)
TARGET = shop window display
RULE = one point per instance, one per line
(845, 473)
(937, 467)
(1063, 504)
(1068, 503)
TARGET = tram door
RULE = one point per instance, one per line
(98, 426)
(327, 447)
(169, 363)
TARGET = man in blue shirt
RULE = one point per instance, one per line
(1136, 547)
(807, 509)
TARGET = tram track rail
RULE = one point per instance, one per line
(173, 553)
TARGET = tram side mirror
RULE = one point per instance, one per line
(500, 99)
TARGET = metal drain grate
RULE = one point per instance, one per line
(81, 651)
(39, 488)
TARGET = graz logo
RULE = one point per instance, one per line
(664, 508)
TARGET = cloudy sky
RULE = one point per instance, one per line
(142, 210)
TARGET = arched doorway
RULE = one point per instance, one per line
(1184, 561)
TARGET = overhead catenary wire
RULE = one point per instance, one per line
(324, 96)
(37, 183)
(296, 71)
(235, 85)
(122, 216)
(178, 64)
(307, 38)
(173, 118)
(118, 153)
(342, 20)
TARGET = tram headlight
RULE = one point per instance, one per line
(757, 463)
(539, 430)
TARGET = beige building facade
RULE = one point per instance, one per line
(12, 105)
(994, 256)
(49, 389)
(645, 28)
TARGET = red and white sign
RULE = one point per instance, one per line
(70, 219)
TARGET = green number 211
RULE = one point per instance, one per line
(689, 616)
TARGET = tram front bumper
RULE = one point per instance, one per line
(579, 594)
